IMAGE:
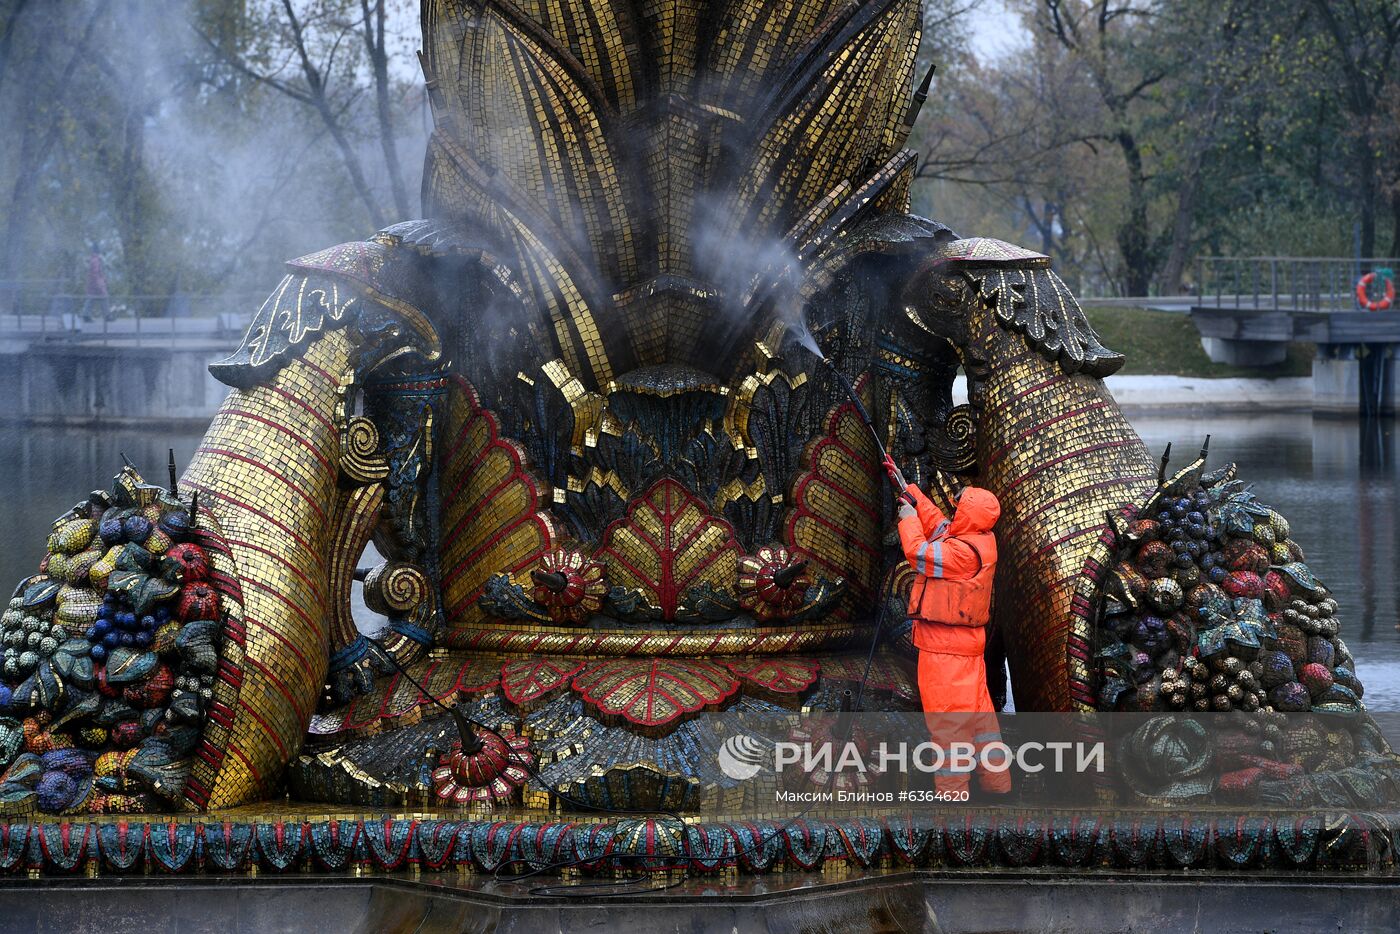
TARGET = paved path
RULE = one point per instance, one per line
(1219, 395)
(1192, 394)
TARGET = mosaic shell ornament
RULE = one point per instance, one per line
(492, 775)
(772, 583)
(569, 585)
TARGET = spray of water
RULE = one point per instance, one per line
(801, 332)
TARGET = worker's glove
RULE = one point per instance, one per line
(896, 475)
(905, 505)
(891, 468)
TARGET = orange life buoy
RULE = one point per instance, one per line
(1364, 299)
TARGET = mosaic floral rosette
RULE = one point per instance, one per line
(772, 584)
(569, 585)
(108, 656)
(493, 774)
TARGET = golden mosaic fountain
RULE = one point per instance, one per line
(610, 493)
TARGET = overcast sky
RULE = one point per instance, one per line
(994, 31)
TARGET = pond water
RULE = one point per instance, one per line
(1339, 494)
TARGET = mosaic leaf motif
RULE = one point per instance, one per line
(767, 411)
(654, 691)
(527, 679)
(886, 675)
(395, 696)
(297, 311)
(1036, 303)
(492, 518)
(779, 675)
(851, 97)
(1298, 572)
(532, 203)
(560, 115)
(556, 124)
(668, 544)
(835, 522)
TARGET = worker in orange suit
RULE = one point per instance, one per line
(954, 562)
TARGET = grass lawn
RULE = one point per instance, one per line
(1167, 343)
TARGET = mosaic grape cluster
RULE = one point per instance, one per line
(109, 657)
(1211, 607)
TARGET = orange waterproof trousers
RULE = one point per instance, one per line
(958, 709)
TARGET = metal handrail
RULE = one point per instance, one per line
(60, 316)
(1282, 283)
(197, 302)
(1309, 259)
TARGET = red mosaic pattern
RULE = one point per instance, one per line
(654, 691)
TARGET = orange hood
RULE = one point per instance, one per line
(977, 512)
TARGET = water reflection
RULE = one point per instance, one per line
(47, 470)
(1341, 504)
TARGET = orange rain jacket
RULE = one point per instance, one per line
(954, 563)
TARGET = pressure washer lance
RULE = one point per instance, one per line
(864, 416)
(803, 335)
(897, 481)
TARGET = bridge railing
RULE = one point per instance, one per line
(28, 309)
(1283, 283)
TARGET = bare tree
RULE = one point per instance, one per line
(1103, 36)
(315, 46)
(1023, 131)
(40, 129)
(1223, 45)
(12, 15)
(373, 15)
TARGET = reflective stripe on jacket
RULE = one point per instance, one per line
(954, 563)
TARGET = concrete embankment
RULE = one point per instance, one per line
(1190, 395)
(78, 385)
